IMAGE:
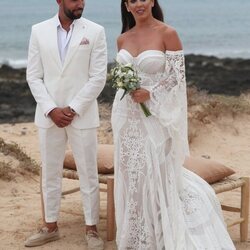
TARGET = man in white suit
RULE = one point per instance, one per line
(66, 72)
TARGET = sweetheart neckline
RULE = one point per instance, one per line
(167, 52)
(148, 50)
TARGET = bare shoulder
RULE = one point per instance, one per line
(171, 39)
(121, 39)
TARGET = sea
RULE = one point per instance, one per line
(209, 27)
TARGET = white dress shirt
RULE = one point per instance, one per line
(63, 39)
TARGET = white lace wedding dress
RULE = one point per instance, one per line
(159, 204)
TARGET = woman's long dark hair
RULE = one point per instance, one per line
(128, 20)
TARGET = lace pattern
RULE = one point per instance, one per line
(158, 206)
(132, 153)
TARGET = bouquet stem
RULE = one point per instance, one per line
(145, 110)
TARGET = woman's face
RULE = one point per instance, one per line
(140, 8)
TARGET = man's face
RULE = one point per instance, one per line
(72, 8)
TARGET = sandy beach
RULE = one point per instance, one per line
(225, 139)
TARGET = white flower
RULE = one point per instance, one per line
(119, 84)
(130, 73)
(128, 65)
(124, 76)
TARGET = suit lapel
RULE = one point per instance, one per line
(77, 34)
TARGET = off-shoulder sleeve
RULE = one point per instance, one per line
(168, 95)
(168, 103)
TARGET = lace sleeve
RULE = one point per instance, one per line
(168, 95)
(169, 104)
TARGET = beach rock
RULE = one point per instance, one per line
(16, 102)
(216, 76)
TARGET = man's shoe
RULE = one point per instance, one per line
(94, 241)
(42, 237)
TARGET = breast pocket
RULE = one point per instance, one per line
(84, 47)
(83, 52)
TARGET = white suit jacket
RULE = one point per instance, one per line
(75, 83)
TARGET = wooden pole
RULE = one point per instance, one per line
(111, 227)
(244, 209)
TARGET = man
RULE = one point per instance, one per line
(66, 72)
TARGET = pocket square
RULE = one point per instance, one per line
(84, 41)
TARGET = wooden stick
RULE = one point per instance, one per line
(231, 223)
(73, 190)
(110, 209)
(244, 209)
(230, 209)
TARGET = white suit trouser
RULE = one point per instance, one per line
(83, 143)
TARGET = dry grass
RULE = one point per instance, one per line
(205, 109)
(26, 164)
(6, 172)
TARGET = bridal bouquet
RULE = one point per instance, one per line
(125, 77)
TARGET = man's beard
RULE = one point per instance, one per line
(71, 15)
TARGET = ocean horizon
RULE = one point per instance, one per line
(205, 27)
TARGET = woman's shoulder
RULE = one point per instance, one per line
(122, 38)
(171, 38)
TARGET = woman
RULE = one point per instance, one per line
(159, 204)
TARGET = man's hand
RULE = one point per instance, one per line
(62, 117)
(69, 112)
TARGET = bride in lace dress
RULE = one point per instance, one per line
(159, 204)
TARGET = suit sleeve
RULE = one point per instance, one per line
(97, 76)
(35, 75)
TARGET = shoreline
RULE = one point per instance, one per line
(21, 63)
